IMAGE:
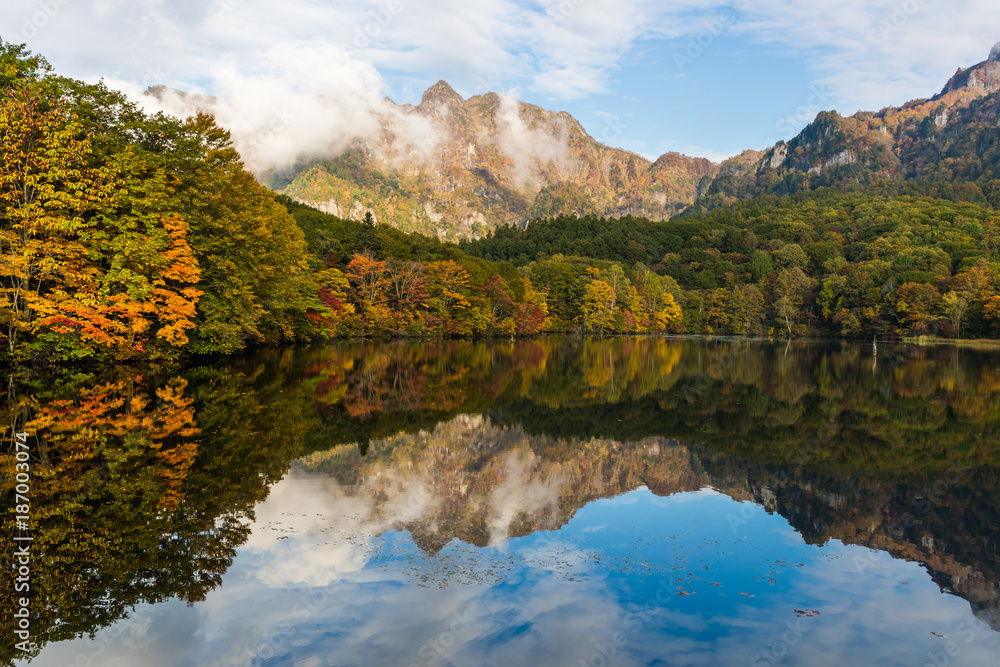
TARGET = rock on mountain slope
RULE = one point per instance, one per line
(950, 138)
(495, 161)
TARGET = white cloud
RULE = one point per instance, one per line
(327, 63)
(530, 148)
(872, 53)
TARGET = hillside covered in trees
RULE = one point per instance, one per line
(822, 263)
(129, 236)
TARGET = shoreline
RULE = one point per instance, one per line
(972, 343)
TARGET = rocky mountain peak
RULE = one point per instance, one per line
(441, 92)
(994, 53)
(984, 77)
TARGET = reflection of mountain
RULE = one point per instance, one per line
(839, 448)
(483, 483)
(476, 481)
(484, 441)
(947, 522)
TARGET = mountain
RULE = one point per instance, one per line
(457, 168)
(951, 138)
(494, 161)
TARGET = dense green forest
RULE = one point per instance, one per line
(820, 263)
(134, 236)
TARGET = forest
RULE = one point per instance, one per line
(130, 236)
(825, 263)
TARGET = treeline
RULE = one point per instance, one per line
(377, 280)
(126, 235)
(823, 263)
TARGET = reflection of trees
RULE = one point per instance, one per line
(839, 448)
(932, 401)
(141, 486)
(106, 487)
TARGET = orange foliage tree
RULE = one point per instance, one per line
(89, 267)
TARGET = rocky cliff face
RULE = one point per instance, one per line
(457, 167)
(491, 160)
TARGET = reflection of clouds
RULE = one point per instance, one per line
(333, 535)
(368, 612)
(520, 494)
(315, 546)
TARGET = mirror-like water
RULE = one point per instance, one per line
(549, 502)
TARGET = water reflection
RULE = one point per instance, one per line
(544, 490)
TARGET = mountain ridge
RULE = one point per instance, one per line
(491, 160)
(951, 137)
(499, 161)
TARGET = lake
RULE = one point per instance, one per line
(640, 501)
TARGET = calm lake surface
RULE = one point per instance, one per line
(547, 502)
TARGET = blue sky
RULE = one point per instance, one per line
(696, 76)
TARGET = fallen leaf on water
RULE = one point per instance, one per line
(936, 634)
(749, 595)
(806, 612)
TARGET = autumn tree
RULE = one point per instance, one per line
(254, 274)
(368, 278)
(600, 304)
(753, 308)
(45, 190)
(916, 306)
(791, 289)
(99, 262)
(955, 305)
(409, 286)
(448, 283)
(501, 306)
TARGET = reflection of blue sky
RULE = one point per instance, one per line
(341, 589)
